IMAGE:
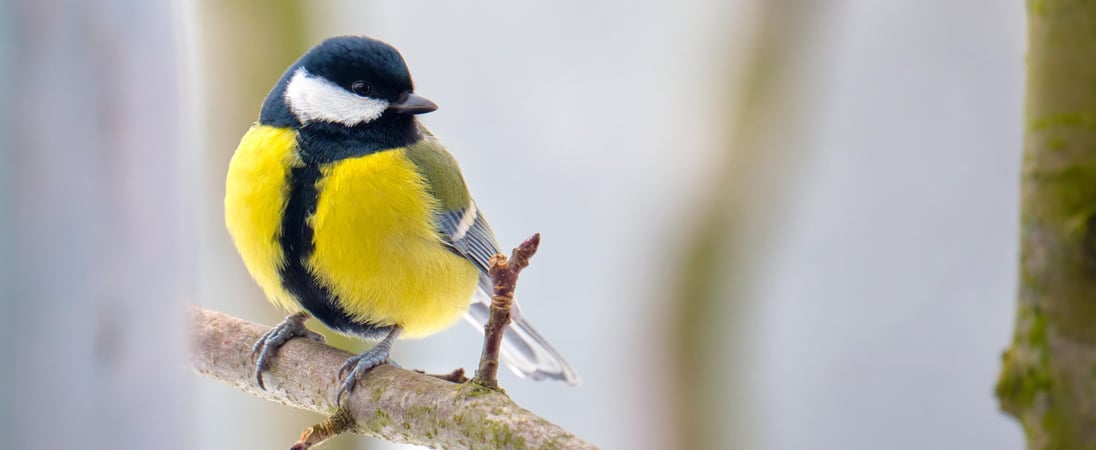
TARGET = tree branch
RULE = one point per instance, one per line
(392, 404)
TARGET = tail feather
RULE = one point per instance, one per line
(523, 350)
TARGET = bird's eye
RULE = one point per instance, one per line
(361, 88)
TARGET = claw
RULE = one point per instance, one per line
(357, 366)
(268, 345)
(349, 364)
(314, 336)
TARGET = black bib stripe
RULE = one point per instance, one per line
(297, 246)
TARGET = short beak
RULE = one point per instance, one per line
(412, 104)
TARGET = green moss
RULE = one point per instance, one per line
(1037, 332)
(1037, 7)
(419, 411)
(342, 420)
(1056, 142)
(1041, 383)
(496, 435)
(1017, 388)
(1057, 239)
(550, 446)
(381, 416)
(472, 389)
(481, 432)
(506, 438)
(1027, 365)
(1082, 120)
(378, 422)
(1067, 191)
(1055, 428)
(1026, 384)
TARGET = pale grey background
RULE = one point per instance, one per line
(888, 295)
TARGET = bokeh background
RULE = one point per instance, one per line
(767, 224)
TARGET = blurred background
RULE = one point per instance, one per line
(767, 224)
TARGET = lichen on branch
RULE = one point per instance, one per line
(392, 404)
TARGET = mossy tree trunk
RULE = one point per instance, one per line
(1049, 376)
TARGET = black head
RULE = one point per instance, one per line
(348, 84)
(376, 67)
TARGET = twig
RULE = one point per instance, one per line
(313, 436)
(392, 404)
(504, 273)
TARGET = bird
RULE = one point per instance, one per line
(345, 208)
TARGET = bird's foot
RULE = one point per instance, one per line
(357, 366)
(268, 345)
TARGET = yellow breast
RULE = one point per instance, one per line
(377, 249)
(255, 196)
(375, 246)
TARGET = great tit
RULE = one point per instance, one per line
(346, 209)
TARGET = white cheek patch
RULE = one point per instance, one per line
(314, 99)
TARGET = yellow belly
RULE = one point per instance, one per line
(255, 196)
(377, 250)
(375, 246)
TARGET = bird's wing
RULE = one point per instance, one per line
(524, 350)
(464, 230)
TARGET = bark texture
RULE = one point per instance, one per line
(1048, 381)
(392, 404)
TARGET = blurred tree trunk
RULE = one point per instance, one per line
(7, 69)
(739, 217)
(95, 245)
(1048, 379)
